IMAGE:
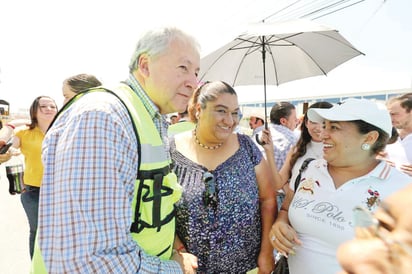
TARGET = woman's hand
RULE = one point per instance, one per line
(5, 157)
(390, 251)
(284, 238)
(187, 261)
(267, 143)
(364, 256)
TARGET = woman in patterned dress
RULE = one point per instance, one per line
(228, 203)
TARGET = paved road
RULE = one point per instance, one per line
(14, 231)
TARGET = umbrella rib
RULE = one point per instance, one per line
(270, 42)
(274, 64)
(217, 59)
(235, 47)
(339, 41)
(303, 50)
(249, 51)
(253, 44)
(314, 61)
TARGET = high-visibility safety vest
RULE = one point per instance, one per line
(180, 127)
(156, 188)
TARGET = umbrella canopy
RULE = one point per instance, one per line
(275, 53)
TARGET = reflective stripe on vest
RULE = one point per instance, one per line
(156, 187)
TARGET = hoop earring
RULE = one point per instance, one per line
(366, 147)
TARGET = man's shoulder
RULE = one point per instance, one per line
(407, 138)
(98, 100)
(279, 130)
(180, 127)
(100, 105)
(278, 127)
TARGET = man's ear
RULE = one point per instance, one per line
(283, 121)
(144, 65)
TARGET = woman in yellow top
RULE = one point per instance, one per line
(29, 140)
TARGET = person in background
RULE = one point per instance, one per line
(283, 122)
(10, 152)
(6, 156)
(29, 140)
(99, 174)
(400, 109)
(228, 203)
(174, 119)
(395, 153)
(389, 249)
(78, 83)
(317, 218)
(256, 122)
(297, 130)
(309, 145)
(184, 124)
(183, 116)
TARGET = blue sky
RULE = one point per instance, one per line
(45, 41)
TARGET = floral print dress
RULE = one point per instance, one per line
(225, 237)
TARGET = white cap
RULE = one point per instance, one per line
(354, 109)
(258, 114)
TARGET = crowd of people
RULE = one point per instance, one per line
(111, 187)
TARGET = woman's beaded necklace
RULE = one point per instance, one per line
(205, 146)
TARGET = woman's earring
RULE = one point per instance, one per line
(366, 146)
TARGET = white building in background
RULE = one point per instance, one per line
(302, 103)
(343, 82)
(299, 102)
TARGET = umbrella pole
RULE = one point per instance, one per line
(264, 79)
(264, 89)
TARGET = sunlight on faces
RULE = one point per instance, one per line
(221, 116)
(315, 130)
(342, 144)
(253, 122)
(47, 109)
(171, 78)
(399, 116)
